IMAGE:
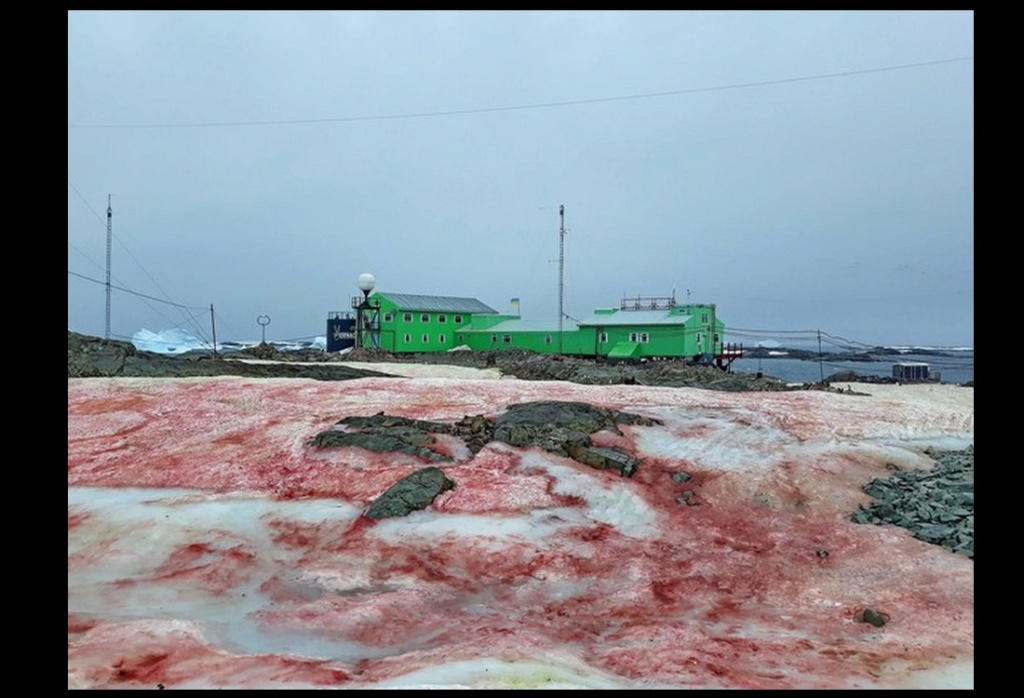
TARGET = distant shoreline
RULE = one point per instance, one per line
(873, 354)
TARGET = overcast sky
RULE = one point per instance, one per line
(803, 170)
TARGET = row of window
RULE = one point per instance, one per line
(602, 338)
(457, 319)
(641, 337)
(407, 317)
(424, 339)
(507, 339)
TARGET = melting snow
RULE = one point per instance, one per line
(210, 547)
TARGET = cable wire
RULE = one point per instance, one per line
(521, 107)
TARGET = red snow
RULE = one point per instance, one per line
(170, 654)
(753, 581)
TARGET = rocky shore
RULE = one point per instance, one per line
(92, 357)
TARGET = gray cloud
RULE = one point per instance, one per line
(840, 203)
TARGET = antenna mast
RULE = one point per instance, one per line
(110, 216)
(561, 267)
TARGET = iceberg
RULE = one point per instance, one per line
(179, 341)
(173, 341)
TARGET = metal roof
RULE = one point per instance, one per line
(445, 304)
(635, 317)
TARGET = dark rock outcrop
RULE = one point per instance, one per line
(385, 434)
(562, 428)
(412, 493)
(936, 505)
(92, 357)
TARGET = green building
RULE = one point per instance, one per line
(513, 332)
(625, 333)
(637, 330)
(640, 328)
(404, 322)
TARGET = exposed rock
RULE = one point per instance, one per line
(385, 434)
(936, 505)
(564, 429)
(476, 431)
(409, 441)
(92, 357)
(528, 423)
(869, 615)
(263, 351)
(605, 458)
(412, 493)
(384, 421)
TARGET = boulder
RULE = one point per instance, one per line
(412, 493)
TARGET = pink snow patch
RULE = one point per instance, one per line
(211, 546)
(173, 654)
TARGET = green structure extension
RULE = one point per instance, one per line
(640, 328)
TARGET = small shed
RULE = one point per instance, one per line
(910, 371)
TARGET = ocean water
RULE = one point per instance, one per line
(953, 366)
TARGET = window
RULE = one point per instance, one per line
(703, 317)
(547, 339)
(424, 318)
(458, 319)
(644, 338)
(440, 338)
(425, 339)
(388, 317)
(700, 338)
(462, 338)
(716, 338)
(602, 338)
(494, 339)
(408, 338)
(407, 317)
(506, 339)
(632, 336)
(441, 319)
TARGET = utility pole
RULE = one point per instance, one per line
(561, 268)
(213, 329)
(821, 368)
(110, 216)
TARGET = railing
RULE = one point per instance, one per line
(639, 303)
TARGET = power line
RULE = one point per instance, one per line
(771, 332)
(185, 318)
(136, 293)
(522, 107)
(196, 328)
(120, 242)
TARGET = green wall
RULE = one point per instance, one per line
(486, 336)
(403, 331)
(697, 331)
